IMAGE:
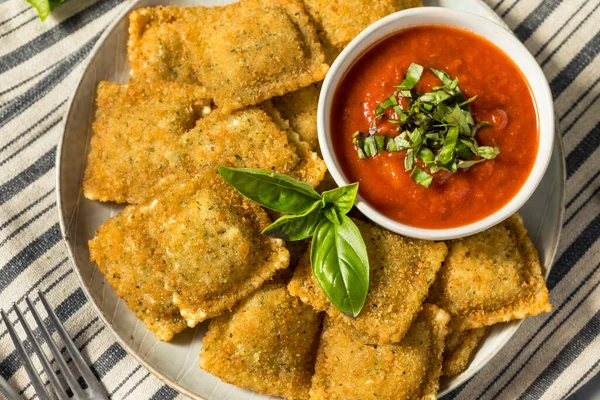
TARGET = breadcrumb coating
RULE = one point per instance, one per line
(351, 367)
(490, 277)
(149, 135)
(203, 247)
(340, 21)
(460, 348)
(134, 132)
(300, 109)
(243, 53)
(267, 344)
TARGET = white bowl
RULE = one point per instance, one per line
(494, 33)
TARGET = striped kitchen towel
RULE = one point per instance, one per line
(550, 356)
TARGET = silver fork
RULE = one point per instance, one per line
(94, 389)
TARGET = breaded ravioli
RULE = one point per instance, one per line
(267, 344)
(212, 245)
(351, 367)
(300, 109)
(340, 21)
(205, 239)
(133, 135)
(244, 53)
(490, 277)
(133, 265)
(249, 138)
(460, 347)
(148, 135)
(402, 270)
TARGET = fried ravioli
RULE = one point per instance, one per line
(133, 134)
(267, 344)
(206, 242)
(134, 266)
(340, 21)
(350, 367)
(460, 347)
(148, 135)
(402, 270)
(490, 277)
(250, 138)
(243, 53)
(300, 109)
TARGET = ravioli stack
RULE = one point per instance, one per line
(238, 86)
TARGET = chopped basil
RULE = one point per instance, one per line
(437, 129)
(487, 152)
(421, 177)
(413, 75)
(387, 103)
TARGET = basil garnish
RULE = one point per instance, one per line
(342, 197)
(338, 253)
(437, 128)
(291, 227)
(277, 192)
(44, 7)
(340, 264)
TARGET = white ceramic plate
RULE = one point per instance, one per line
(176, 362)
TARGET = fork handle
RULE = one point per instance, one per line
(8, 391)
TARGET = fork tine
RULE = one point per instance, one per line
(62, 364)
(81, 364)
(58, 389)
(35, 379)
(7, 390)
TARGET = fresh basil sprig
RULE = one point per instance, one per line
(338, 253)
(44, 7)
(436, 128)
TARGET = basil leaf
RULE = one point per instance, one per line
(442, 76)
(488, 152)
(426, 155)
(340, 264)
(292, 227)
(463, 151)
(471, 145)
(472, 99)
(467, 164)
(479, 125)
(459, 117)
(413, 75)
(446, 154)
(370, 146)
(342, 198)
(416, 138)
(421, 177)
(44, 7)
(380, 142)
(435, 97)
(361, 153)
(387, 103)
(409, 160)
(333, 215)
(397, 144)
(275, 191)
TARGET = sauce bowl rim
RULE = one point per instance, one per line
(482, 27)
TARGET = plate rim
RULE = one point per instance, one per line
(63, 228)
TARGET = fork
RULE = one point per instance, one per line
(94, 389)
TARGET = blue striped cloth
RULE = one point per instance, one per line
(551, 356)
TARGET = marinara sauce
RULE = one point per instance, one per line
(503, 99)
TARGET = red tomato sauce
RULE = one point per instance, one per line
(503, 99)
